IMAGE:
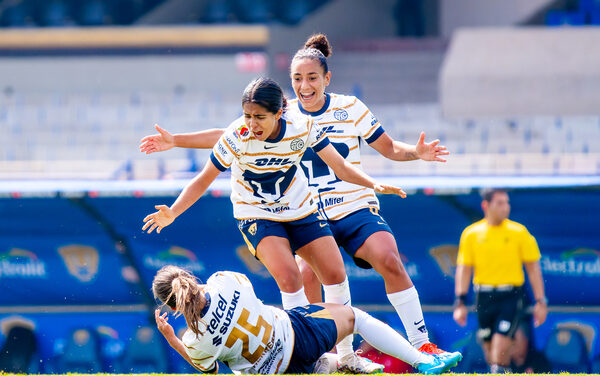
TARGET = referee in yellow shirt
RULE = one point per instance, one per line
(494, 250)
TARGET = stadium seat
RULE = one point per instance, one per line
(16, 15)
(473, 357)
(145, 352)
(216, 11)
(81, 353)
(257, 11)
(566, 350)
(93, 13)
(596, 364)
(18, 350)
(562, 18)
(55, 14)
(293, 11)
(589, 5)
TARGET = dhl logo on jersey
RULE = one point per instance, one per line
(272, 162)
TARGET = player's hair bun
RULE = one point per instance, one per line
(319, 42)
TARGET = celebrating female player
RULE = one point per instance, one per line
(352, 211)
(275, 208)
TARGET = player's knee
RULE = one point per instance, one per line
(389, 263)
(308, 275)
(288, 279)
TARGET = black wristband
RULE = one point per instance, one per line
(460, 299)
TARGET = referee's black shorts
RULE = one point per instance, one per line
(499, 311)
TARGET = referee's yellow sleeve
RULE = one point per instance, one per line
(531, 251)
(465, 249)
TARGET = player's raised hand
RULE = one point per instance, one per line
(430, 151)
(162, 324)
(387, 189)
(161, 141)
(160, 219)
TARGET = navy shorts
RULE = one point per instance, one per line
(299, 233)
(351, 231)
(315, 333)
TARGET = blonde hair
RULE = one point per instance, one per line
(180, 290)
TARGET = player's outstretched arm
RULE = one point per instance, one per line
(167, 331)
(400, 151)
(347, 172)
(164, 140)
(190, 194)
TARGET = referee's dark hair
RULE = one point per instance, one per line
(487, 194)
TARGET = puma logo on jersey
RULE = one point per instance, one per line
(273, 162)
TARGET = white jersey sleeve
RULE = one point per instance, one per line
(317, 138)
(239, 330)
(367, 124)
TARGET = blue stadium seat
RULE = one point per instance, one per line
(16, 15)
(81, 353)
(596, 364)
(293, 11)
(257, 11)
(473, 357)
(563, 18)
(595, 18)
(145, 352)
(217, 11)
(566, 350)
(93, 13)
(55, 14)
(589, 5)
(18, 350)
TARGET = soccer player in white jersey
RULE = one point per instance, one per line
(352, 211)
(227, 322)
(275, 208)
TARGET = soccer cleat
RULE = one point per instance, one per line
(352, 363)
(436, 365)
(451, 357)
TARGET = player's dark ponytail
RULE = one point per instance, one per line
(265, 92)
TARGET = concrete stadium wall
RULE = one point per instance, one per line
(214, 74)
(521, 71)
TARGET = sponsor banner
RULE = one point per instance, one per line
(63, 270)
(73, 259)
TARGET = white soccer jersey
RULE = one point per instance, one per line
(266, 179)
(345, 120)
(240, 330)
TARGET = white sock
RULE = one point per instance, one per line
(386, 339)
(294, 299)
(408, 307)
(340, 294)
